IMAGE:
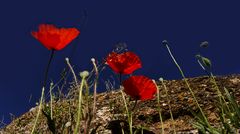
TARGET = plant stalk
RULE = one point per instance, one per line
(186, 82)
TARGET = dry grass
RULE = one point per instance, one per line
(110, 115)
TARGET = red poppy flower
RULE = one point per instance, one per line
(124, 63)
(54, 38)
(140, 87)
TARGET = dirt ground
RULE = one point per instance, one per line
(110, 113)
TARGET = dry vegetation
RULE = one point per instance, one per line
(110, 117)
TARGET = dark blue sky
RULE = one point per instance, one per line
(140, 24)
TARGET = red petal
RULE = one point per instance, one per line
(124, 63)
(67, 35)
(55, 38)
(140, 87)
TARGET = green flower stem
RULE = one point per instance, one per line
(51, 100)
(120, 79)
(219, 93)
(95, 86)
(88, 118)
(122, 131)
(221, 97)
(43, 89)
(39, 110)
(185, 80)
(71, 68)
(218, 90)
(79, 115)
(47, 69)
(159, 109)
(169, 105)
(129, 114)
(86, 93)
(134, 106)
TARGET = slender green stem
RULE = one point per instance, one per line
(120, 79)
(83, 75)
(169, 105)
(87, 111)
(39, 111)
(186, 82)
(134, 106)
(43, 89)
(130, 122)
(124, 101)
(205, 70)
(95, 86)
(129, 114)
(47, 69)
(51, 100)
(159, 109)
(221, 97)
(86, 93)
(79, 115)
(218, 90)
(219, 93)
(122, 130)
(71, 68)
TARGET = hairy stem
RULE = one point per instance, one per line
(159, 108)
(186, 82)
(79, 115)
(129, 114)
(47, 69)
(169, 105)
(39, 110)
(95, 86)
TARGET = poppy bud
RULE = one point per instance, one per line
(198, 56)
(204, 44)
(92, 59)
(206, 62)
(161, 79)
(165, 42)
(84, 74)
(67, 59)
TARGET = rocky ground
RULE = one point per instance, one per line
(110, 112)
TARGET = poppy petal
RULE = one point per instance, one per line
(140, 87)
(54, 38)
(124, 63)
